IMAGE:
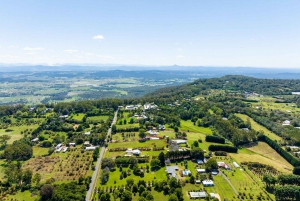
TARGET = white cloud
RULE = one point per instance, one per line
(70, 51)
(30, 53)
(32, 48)
(179, 49)
(98, 37)
(180, 56)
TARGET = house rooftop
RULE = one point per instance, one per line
(198, 194)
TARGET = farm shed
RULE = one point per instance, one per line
(208, 183)
(198, 194)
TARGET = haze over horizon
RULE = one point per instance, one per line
(156, 33)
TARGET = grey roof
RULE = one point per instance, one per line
(171, 170)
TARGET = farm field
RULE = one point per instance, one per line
(15, 132)
(258, 127)
(190, 127)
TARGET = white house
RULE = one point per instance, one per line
(178, 141)
(136, 152)
(35, 140)
(65, 149)
(90, 148)
(208, 183)
(58, 146)
(58, 150)
(87, 133)
(286, 123)
(72, 144)
(199, 171)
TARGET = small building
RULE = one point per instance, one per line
(58, 146)
(199, 171)
(161, 127)
(129, 151)
(87, 133)
(178, 142)
(65, 149)
(151, 132)
(86, 143)
(58, 150)
(215, 172)
(223, 165)
(200, 162)
(236, 165)
(154, 138)
(136, 152)
(35, 140)
(64, 116)
(201, 194)
(198, 182)
(72, 144)
(212, 195)
(208, 183)
(90, 148)
(171, 171)
(286, 123)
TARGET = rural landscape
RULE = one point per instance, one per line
(211, 139)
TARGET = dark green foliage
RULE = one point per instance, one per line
(96, 154)
(46, 144)
(19, 150)
(211, 164)
(69, 191)
(289, 179)
(220, 153)
(197, 153)
(288, 192)
(46, 192)
(226, 148)
(296, 170)
(216, 139)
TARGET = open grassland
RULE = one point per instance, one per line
(190, 127)
(77, 117)
(98, 118)
(258, 127)
(265, 150)
(263, 153)
(15, 132)
(39, 151)
(22, 196)
(128, 125)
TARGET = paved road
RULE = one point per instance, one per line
(90, 192)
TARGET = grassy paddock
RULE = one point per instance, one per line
(189, 126)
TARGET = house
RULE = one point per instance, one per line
(87, 133)
(199, 171)
(58, 146)
(200, 162)
(65, 149)
(154, 138)
(35, 140)
(200, 194)
(208, 183)
(161, 127)
(171, 171)
(198, 182)
(90, 148)
(136, 152)
(151, 132)
(72, 144)
(58, 150)
(212, 195)
(86, 143)
(63, 116)
(178, 142)
(245, 129)
(223, 165)
(286, 123)
(129, 151)
(215, 172)
(224, 118)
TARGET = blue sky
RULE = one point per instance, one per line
(189, 33)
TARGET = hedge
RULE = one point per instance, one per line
(223, 148)
(217, 139)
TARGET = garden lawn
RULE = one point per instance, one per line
(128, 125)
(190, 127)
(78, 117)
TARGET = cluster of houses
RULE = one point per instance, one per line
(144, 107)
(60, 148)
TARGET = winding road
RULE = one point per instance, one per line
(90, 192)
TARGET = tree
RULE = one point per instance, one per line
(296, 170)
(19, 150)
(161, 158)
(142, 134)
(269, 180)
(129, 182)
(196, 144)
(37, 178)
(134, 188)
(197, 153)
(211, 164)
(173, 198)
(4, 139)
(192, 179)
(141, 189)
(155, 164)
(27, 176)
(46, 191)
(126, 196)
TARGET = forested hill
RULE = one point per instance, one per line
(232, 83)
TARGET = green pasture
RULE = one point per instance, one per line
(190, 127)
(98, 118)
(78, 116)
(16, 131)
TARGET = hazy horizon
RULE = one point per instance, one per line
(261, 34)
